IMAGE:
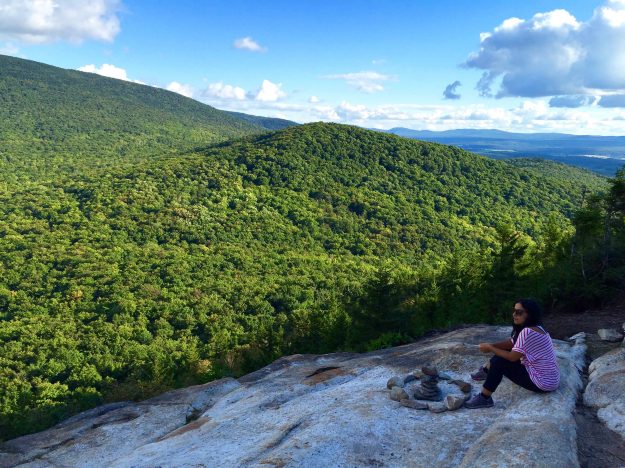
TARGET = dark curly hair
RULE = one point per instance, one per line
(534, 316)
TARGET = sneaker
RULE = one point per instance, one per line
(479, 401)
(481, 374)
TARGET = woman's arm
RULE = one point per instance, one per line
(512, 356)
(505, 344)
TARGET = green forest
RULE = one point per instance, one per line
(149, 242)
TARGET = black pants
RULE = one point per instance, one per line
(515, 371)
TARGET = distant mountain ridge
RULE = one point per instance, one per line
(498, 135)
(602, 154)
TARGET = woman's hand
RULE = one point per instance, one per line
(486, 348)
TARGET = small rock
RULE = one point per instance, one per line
(409, 378)
(419, 394)
(437, 407)
(413, 404)
(418, 374)
(429, 379)
(398, 394)
(444, 376)
(464, 386)
(609, 334)
(453, 402)
(395, 382)
(430, 370)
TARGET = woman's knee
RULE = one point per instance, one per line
(497, 362)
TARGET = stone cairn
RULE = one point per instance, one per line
(429, 385)
(428, 395)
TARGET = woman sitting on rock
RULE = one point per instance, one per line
(528, 358)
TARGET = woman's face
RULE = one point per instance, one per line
(519, 315)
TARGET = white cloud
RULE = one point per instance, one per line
(108, 70)
(9, 49)
(184, 89)
(41, 21)
(326, 113)
(269, 92)
(532, 115)
(554, 54)
(313, 99)
(365, 81)
(221, 91)
(247, 43)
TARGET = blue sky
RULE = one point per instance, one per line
(545, 65)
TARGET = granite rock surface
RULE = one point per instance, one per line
(606, 389)
(317, 411)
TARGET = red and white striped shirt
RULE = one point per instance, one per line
(539, 358)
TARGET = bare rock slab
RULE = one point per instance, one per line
(437, 407)
(606, 389)
(316, 411)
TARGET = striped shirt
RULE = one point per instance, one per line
(539, 358)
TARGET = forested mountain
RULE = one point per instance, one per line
(121, 283)
(268, 123)
(148, 241)
(69, 119)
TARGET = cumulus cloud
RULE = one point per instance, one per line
(184, 89)
(313, 99)
(247, 43)
(533, 115)
(226, 92)
(614, 100)
(269, 92)
(365, 81)
(326, 113)
(450, 90)
(9, 49)
(554, 54)
(529, 116)
(108, 70)
(42, 21)
(572, 101)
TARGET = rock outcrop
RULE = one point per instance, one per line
(606, 389)
(610, 334)
(306, 410)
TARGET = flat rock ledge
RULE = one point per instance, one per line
(329, 410)
(606, 389)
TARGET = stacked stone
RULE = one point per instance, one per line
(429, 385)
